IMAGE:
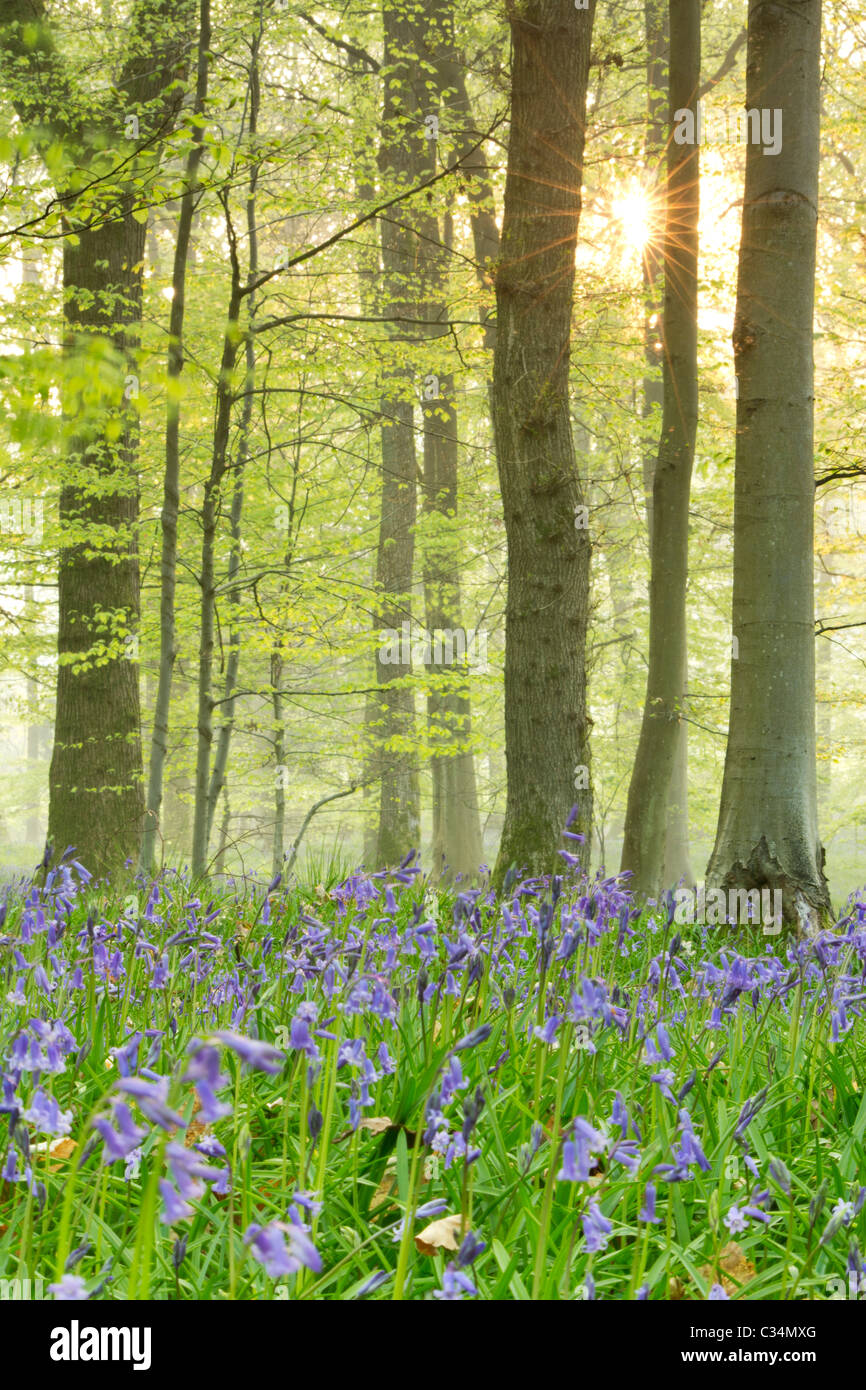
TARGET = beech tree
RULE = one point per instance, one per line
(660, 737)
(767, 832)
(111, 143)
(546, 729)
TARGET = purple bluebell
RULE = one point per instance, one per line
(70, 1289)
(596, 1228)
(261, 1056)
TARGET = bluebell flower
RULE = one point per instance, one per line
(596, 1228)
(151, 1098)
(454, 1285)
(174, 1207)
(749, 1111)
(648, 1210)
(70, 1289)
(475, 1038)
(261, 1056)
(46, 1116)
(268, 1246)
(780, 1174)
(658, 1049)
(374, 1282)
(121, 1140)
(470, 1249)
(717, 1293)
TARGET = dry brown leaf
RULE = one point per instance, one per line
(441, 1234)
(195, 1132)
(383, 1191)
(734, 1269)
(376, 1124)
(676, 1289)
(58, 1150)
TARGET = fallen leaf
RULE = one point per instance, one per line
(441, 1234)
(734, 1269)
(383, 1191)
(376, 1124)
(57, 1150)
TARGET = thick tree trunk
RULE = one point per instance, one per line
(95, 778)
(646, 820)
(546, 727)
(767, 833)
(96, 774)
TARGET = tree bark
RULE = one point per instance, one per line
(646, 820)
(405, 156)
(96, 799)
(171, 476)
(211, 503)
(546, 726)
(767, 833)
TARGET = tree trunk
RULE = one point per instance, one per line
(546, 726)
(207, 576)
(171, 476)
(405, 156)
(96, 799)
(767, 834)
(456, 847)
(646, 820)
(95, 779)
(456, 840)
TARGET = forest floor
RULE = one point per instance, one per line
(378, 1089)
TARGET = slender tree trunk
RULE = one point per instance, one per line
(456, 847)
(234, 638)
(171, 477)
(647, 811)
(767, 833)
(406, 155)
(279, 835)
(546, 732)
(456, 838)
(207, 575)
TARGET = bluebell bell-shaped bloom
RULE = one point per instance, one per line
(454, 1285)
(71, 1288)
(268, 1246)
(122, 1137)
(474, 1039)
(45, 1115)
(648, 1210)
(174, 1208)
(151, 1098)
(596, 1228)
(261, 1056)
